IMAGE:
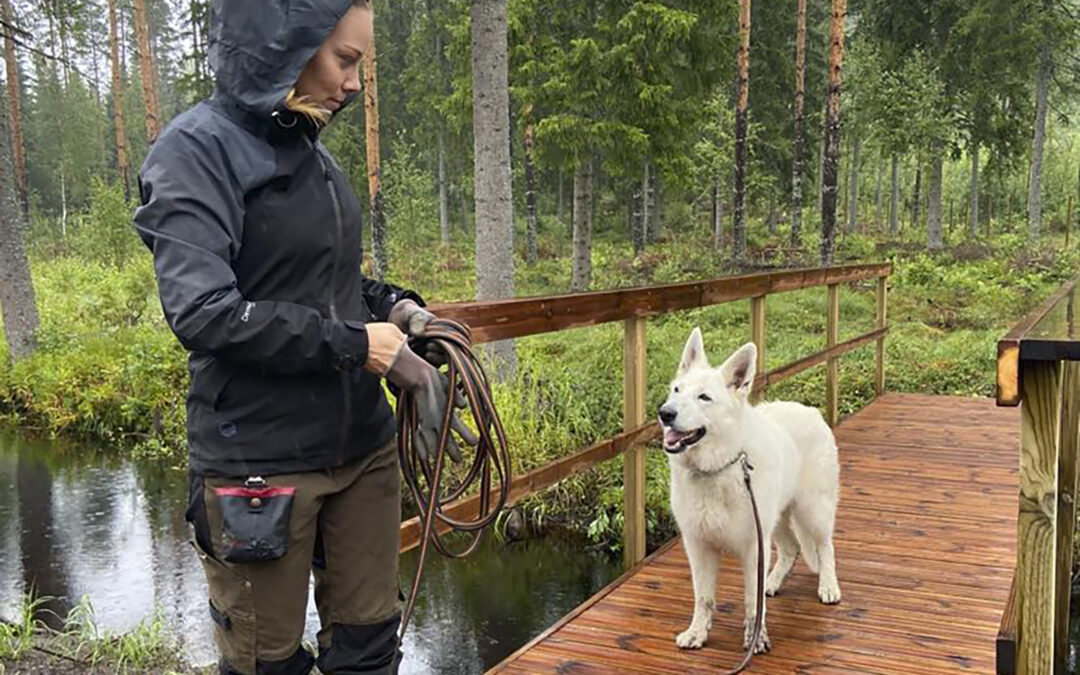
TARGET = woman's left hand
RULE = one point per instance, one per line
(411, 318)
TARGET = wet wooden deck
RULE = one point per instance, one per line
(925, 547)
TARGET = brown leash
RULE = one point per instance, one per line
(491, 459)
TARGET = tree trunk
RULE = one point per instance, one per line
(714, 214)
(636, 230)
(374, 164)
(739, 224)
(973, 197)
(821, 153)
(915, 200)
(933, 223)
(444, 205)
(582, 260)
(654, 210)
(646, 198)
(18, 304)
(491, 166)
(877, 197)
(15, 108)
(894, 205)
(560, 210)
(118, 102)
(853, 184)
(146, 70)
(531, 253)
(800, 121)
(1042, 92)
(832, 131)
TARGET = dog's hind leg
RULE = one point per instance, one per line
(787, 549)
(816, 521)
(704, 563)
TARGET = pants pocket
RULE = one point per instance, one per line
(232, 610)
(255, 522)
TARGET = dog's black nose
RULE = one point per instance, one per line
(667, 415)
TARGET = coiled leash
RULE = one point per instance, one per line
(424, 475)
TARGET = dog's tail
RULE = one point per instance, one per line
(806, 546)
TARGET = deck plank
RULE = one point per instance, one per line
(925, 544)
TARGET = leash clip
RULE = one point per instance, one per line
(747, 467)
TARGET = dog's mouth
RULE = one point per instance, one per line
(677, 441)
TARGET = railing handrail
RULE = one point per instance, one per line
(521, 317)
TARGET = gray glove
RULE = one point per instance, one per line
(412, 319)
(411, 373)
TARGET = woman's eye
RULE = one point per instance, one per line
(705, 397)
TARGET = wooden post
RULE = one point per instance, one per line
(634, 459)
(757, 335)
(832, 333)
(1069, 434)
(882, 297)
(1037, 523)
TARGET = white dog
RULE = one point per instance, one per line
(707, 422)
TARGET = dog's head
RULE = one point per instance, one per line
(705, 401)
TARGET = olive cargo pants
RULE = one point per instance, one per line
(259, 538)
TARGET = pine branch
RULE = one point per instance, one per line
(52, 57)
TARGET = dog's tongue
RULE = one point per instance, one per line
(672, 437)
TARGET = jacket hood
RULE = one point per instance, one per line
(258, 48)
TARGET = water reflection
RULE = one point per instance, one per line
(76, 522)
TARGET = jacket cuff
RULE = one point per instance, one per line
(349, 343)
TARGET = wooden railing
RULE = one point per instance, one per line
(504, 319)
(1038, 369)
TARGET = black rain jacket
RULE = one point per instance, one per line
(256, 237)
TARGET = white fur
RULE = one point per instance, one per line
(795, 480)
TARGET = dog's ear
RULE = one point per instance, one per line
(693, 355)
(740, 368)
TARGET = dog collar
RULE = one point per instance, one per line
(740, 458)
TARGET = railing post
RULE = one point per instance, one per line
(634, 458)
(832, 333)
(1069, 434)
(757, 336)
(1037, 523)
(882, 297)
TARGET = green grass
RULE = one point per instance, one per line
(149, 647)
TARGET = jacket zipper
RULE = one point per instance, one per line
(346, 384)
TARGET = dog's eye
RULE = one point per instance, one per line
(705, 397)
(676, 390)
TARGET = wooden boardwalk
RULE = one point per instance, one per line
(925, 548)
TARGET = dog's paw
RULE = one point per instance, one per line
(772, 584)
(763, 644)
(692, 638)
(829, 593)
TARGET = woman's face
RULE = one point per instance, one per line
(334, 70)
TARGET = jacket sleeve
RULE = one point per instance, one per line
(382, 297)
(191, 217)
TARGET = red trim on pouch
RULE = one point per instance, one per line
(254, 492)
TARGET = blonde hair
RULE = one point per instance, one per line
(303, 106)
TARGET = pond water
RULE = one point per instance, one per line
(75, 521)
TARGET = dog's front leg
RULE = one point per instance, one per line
(703, 566)
(750, 577)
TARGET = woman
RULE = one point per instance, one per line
(256, 240)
